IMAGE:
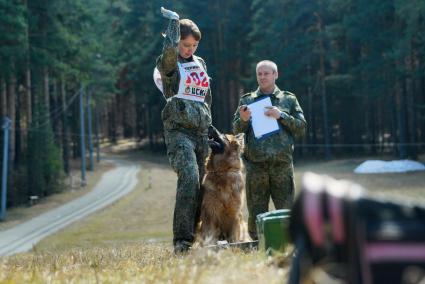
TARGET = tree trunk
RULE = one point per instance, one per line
(322, 75)
(422, 94)
(3, 97)
(381, 127)
(46, 92)
(311, 137)
(74, 125)
(12, 113)
(65, 129)
(231, 105)
(28, 101)
(112, 129)
(56, 114)
(370, 125)
(420, 117)
(412, 107)
(401, 119)
(19, 133)
(28, 95)
(373, 128)
(217, 43)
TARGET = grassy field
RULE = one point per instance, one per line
(130, 241)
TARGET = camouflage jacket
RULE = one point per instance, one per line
(180, 114)
(278, 146)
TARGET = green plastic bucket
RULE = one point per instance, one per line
(272, 230)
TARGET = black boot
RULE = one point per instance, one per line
(182, 247)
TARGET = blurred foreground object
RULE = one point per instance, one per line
(342, 235)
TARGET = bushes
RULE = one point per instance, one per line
(45, 168)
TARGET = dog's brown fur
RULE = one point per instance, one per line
(223, 185)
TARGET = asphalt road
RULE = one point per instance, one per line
(113, 185)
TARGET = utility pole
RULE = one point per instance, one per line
(6, 127)
(89, 130)
(83, 146)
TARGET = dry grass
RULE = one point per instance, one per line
(139, 263)
(130, 241)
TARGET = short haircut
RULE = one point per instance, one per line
(187, 28)
(267, 63)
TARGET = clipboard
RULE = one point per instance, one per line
(262, 125)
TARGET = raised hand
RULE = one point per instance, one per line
(244, 112)
(169, 14)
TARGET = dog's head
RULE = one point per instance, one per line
(224, 144)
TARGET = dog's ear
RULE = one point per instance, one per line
(240, 137)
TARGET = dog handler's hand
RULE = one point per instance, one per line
(273, 112)
(169, 14)
(244, 112)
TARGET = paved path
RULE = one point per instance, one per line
(114, 184)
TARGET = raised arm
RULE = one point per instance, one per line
(167, 61)
(171, 40)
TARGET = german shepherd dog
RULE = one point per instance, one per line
(223, 186)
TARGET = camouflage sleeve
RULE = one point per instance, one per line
(168, 64)
(167, 61)
(169, 83)
(295, 121)
(239, 126)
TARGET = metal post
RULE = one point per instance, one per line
(83, 146)
(6, 126)
(89, 130)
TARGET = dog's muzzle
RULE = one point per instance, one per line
(215, 141)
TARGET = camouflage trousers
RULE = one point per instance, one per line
(265, 180)
(186, 154)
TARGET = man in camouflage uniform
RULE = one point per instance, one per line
(268, 160)
(185, 121)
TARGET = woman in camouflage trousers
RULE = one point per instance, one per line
(186, 117)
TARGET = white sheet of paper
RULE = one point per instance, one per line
(262, 124)
(157, 79)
